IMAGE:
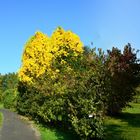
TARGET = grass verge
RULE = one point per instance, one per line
(1, 119)
(55, 134)
(126, 126)
(50, 133)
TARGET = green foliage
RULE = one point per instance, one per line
(82, 105)
(0, 96)
(63, 86)
(1, 77)
(8, 92)
(1, 119)
(69, 98)
(9, 98)
(8, 81)
(137, 97)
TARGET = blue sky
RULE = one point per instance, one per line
(106, 23)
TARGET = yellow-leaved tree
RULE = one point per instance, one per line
(42, 52)
(57, 83)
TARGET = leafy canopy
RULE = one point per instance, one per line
(42, 51)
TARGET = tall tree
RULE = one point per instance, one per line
(124, 71)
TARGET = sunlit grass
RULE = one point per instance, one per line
(126, 126)
(55, 134)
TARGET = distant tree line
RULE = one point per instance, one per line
(8, 89)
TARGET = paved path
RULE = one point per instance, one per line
(16, 129)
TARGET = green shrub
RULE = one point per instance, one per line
(68, 111)
(0, 96)
(9, 98)
(64, 86)
(68, 100)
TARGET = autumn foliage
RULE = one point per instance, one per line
(41, 52)
(55, 84)
(124, 74)
(65, 84)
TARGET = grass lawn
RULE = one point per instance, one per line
(55, 134)
(126, 126)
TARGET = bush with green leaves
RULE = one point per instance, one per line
(73, 100)
(8, 89)
(63, 85)
(9, 98)
(0, 96)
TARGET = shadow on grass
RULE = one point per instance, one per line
(113, 132)
(57, 133)
(63, 135)
(132, 119)
(119, 127)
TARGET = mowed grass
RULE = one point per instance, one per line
(55, 134)
(126, 126)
